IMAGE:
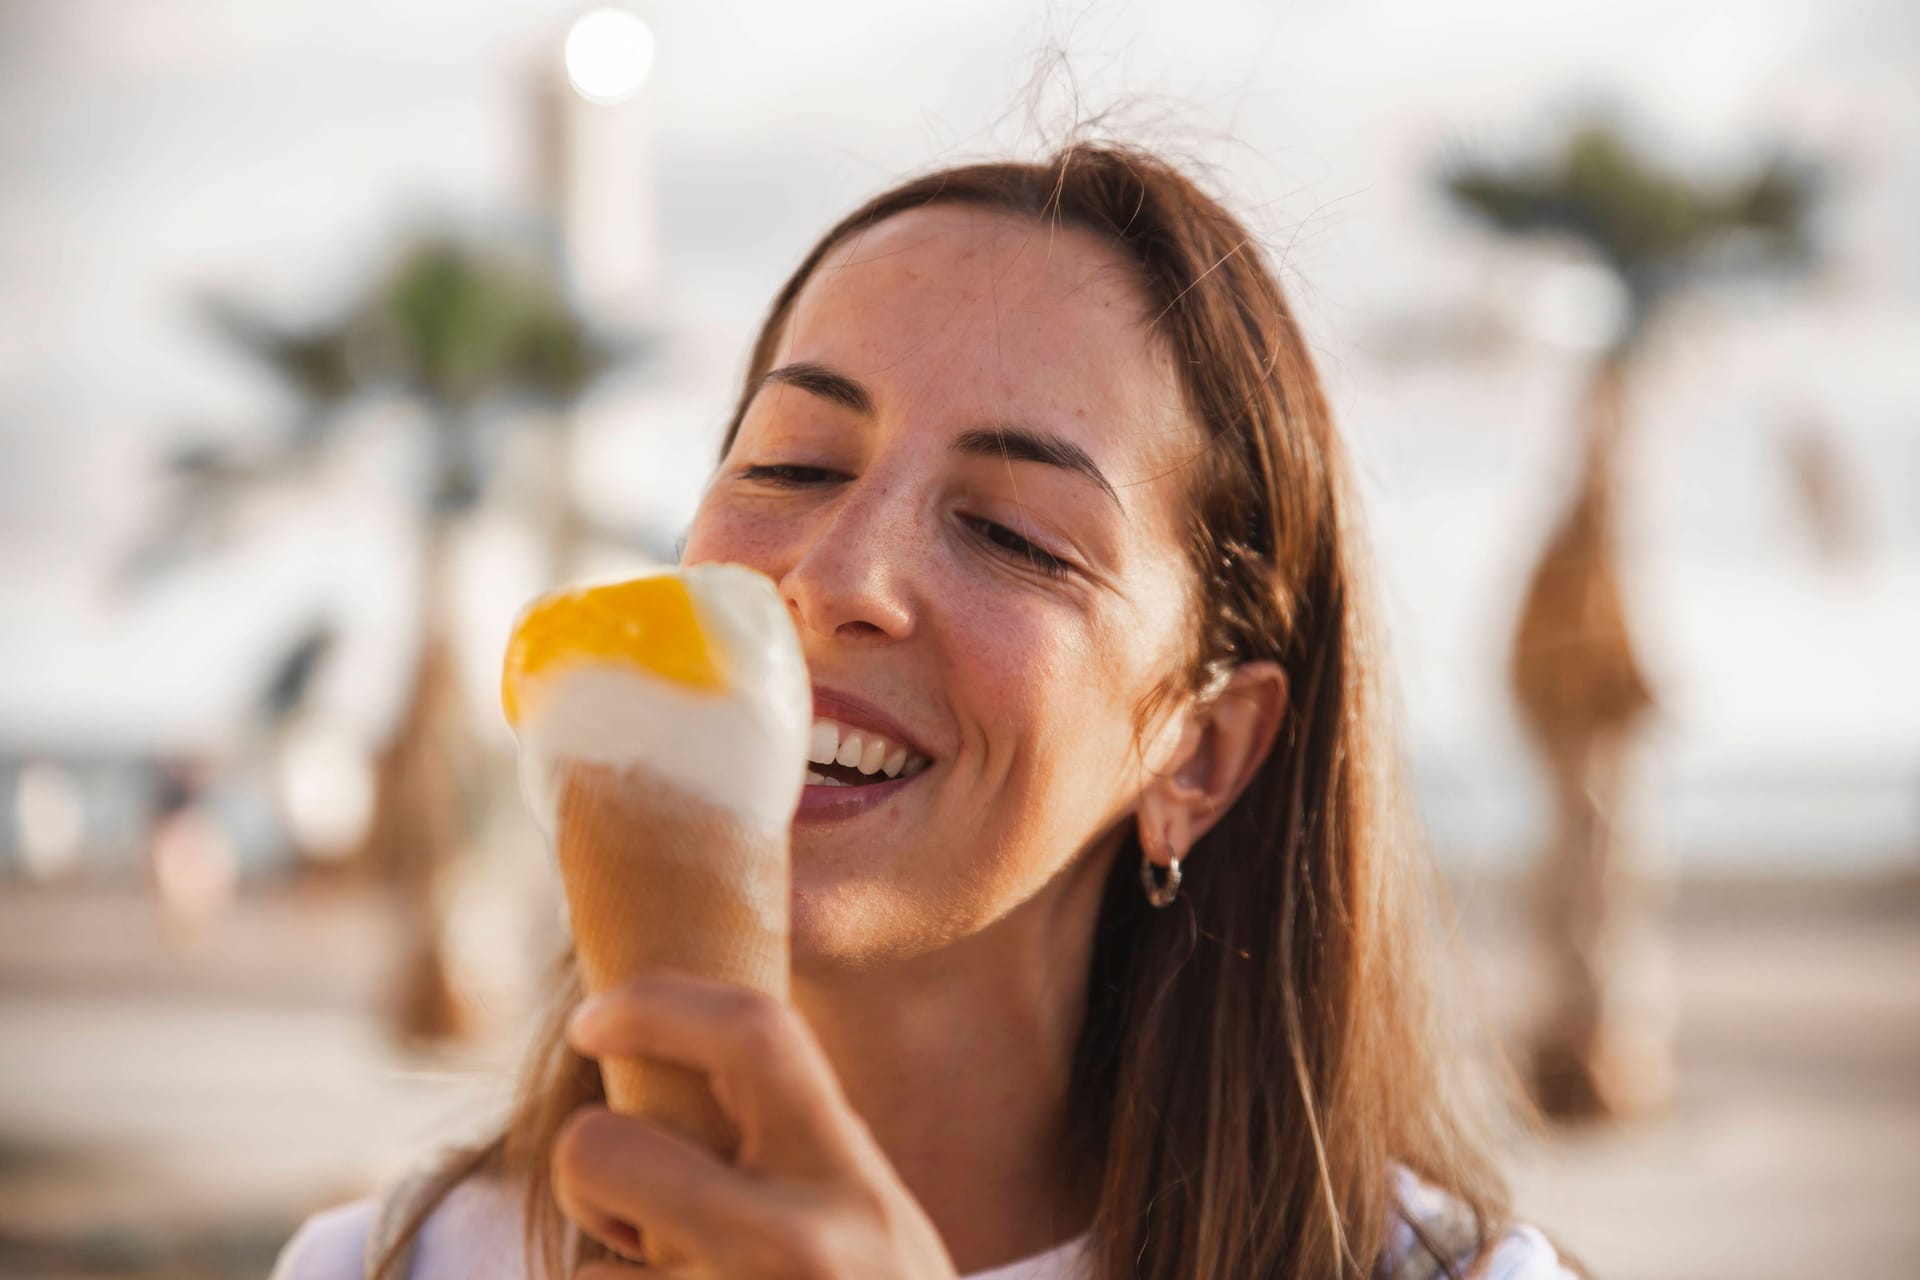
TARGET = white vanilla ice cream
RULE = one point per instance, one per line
(694, 676)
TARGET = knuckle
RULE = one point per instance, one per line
(764, 1026)
(807, 1251)
(792, 1245)
(579, 1141)
(871, 1203)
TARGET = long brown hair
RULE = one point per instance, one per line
(1255, 1061)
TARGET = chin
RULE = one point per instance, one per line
(835, 892)
(846, 924)
(829, 926)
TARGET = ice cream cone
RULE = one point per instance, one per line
(659, 879)
(663, 726)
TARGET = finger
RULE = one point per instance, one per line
(614, 1173)
(764, 1064)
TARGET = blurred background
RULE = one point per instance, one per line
(329, 333)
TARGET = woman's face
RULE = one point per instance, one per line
(964, 474)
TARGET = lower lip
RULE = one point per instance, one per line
(829, 804)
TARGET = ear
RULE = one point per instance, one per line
(1221, 747)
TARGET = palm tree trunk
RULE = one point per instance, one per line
(419, 827)
(1583, 697)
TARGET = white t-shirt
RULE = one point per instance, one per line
(476, 1232)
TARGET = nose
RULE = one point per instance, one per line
(854, 581)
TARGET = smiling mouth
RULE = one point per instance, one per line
(840, 755)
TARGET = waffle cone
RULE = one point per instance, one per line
(658, 879)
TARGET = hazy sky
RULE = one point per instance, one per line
(151, 152)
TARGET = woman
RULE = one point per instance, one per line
(1127, 980)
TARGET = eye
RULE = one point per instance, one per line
(789, 477)
(1020, 548)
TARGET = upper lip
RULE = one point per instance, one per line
(832, 704)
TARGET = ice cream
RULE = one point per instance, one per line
(694, 676)
(663, 726)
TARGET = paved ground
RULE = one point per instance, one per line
(1793, 1149)
(173, 1110)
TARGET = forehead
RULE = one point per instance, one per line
(964, 316)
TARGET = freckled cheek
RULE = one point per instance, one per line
(760, 542)
(1011, 663)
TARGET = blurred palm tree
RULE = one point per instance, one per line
(457, 326)
(1578, 682)
(461, 330)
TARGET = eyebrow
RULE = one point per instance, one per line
(1023, 444)
(826, 383)
(1010, 441)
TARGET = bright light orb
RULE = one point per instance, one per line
(609, 52)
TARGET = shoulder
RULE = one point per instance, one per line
(478, 1225)
(328, 1246)
(1523, 1253)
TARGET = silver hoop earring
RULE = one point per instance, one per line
(1160, 893)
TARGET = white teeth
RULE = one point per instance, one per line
(834, 743)
(824, 743)
(850, 748)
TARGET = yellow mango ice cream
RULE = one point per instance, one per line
(694, 675)
(649, 623)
